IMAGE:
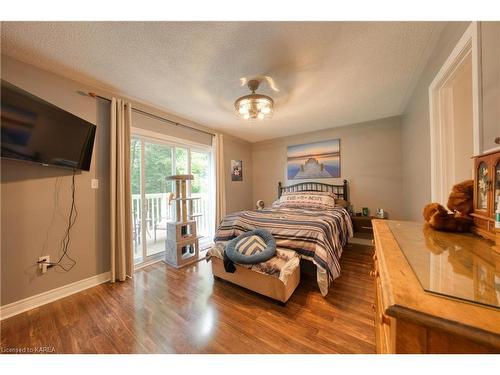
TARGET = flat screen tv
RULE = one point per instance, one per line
(37, 131)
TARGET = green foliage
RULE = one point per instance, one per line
(200, 168)
(158, 165)
(135, 165)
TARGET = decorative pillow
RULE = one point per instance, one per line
(318, 200)
(255, 246)
(250, 245)
(327, 193)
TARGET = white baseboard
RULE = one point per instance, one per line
(29, 303)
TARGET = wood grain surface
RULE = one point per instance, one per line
(165, 310)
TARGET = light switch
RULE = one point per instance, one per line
(94, 184)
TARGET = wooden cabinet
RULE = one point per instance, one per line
(486, 193)
(410, 320)
(362, 227)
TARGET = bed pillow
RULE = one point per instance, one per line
(276, 204)
(319, 200)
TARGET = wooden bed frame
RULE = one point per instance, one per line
(340, 191)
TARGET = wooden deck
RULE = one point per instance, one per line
(164, 310)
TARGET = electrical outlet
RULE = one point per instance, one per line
(94, 183)
(43, 263)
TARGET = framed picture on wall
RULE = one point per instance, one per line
(236, 170)
(314, 160)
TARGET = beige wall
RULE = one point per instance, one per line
(30, 227)
(238, 193)
(370, 161)
(35, 199)
(415, 128)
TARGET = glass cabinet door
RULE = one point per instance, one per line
(496, 186)
(482, 181)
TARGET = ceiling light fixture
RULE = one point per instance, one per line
(254, 106)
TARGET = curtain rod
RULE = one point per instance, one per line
(94, 95)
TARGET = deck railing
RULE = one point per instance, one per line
(158, 212)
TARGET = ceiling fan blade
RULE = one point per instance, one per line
(268, 79)
(271, 83)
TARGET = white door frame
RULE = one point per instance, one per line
(442, 134)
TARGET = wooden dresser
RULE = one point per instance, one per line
(408, 319)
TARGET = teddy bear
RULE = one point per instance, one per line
(460, 203)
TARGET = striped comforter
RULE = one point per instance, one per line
(318, 235)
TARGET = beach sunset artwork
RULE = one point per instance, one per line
(314, 160)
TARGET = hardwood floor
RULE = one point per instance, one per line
(164, 310)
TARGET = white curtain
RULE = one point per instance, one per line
(121, 226)
(220, 179)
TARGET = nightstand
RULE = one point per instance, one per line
(362, 227)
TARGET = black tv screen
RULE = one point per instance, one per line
(37, 131)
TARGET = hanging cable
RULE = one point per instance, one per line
(73, 214)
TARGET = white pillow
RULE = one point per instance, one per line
(318, 200)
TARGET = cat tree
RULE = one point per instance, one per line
(181, 245)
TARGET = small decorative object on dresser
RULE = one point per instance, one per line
(366, 211)
(486, 195)
(459, 203)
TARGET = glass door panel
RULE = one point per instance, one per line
(157, 211)
(496, 197)
(181, 160)
(200, 188)
(135, 178)
(483, 186)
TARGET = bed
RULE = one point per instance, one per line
(314, 234)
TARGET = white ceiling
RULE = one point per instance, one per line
(329, 73)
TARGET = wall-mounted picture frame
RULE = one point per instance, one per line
(314, 160)
(236, 170)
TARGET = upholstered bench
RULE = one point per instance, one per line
(276, 278)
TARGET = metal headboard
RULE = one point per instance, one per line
(340, 191)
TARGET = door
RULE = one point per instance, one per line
(452, 131)
(201, 187)
(158, 166)
(151, 164)
(152, 161)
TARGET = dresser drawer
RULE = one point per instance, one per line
(384, 324)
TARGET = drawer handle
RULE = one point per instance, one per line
(385, 319)
(374, 257)
(374, 273)
(373, 306)
(367, 227)
(373, 242)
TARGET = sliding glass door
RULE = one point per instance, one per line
(152, 161)
(157, 167)
(201, 187)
